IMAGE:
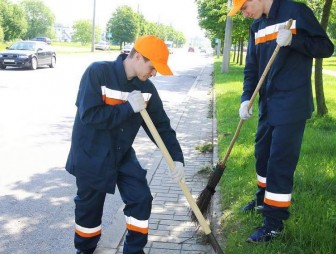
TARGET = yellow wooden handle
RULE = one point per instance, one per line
(171, 165)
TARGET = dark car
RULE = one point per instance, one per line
(191, 49)
(44, 39)
(28, 54)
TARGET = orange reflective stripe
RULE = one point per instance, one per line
(261, 181)
(278, 200)
(270, 33)
(87, 235)
(266, 38)
(115, 97)
(260, 184)
(137, 229)
(112, 102)
(277, 203)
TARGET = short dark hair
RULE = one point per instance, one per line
(133, 51)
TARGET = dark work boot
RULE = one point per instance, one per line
(264, 234)
(252, 207)
(270, 230)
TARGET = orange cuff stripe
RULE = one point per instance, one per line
(277, 203)
(260, 184)
(137, 229)
(87, 235)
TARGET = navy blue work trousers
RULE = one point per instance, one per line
(277, 151)
(136, 195)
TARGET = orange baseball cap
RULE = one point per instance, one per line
(156, 51)
(237, 4)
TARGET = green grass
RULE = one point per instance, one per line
(205, 148)
(329, 63)
(312, 225)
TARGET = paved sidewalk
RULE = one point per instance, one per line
(171, 230)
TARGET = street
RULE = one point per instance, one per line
(37, 112)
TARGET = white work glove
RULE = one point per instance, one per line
(243, 112)
(284, 36)
(137, 101)
(178, 172)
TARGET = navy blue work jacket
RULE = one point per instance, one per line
(286, 95)
(105, 125)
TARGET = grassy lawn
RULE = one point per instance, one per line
(312, 225)
(329, 63)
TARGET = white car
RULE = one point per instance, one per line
(102, 45)
(126, 49)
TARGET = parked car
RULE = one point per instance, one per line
(169, 45)
(28, 54)
(102, 45)
(202, 50)
(126, 49)
(44, 39)
(191, 49)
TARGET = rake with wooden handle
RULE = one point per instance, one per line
(204, 199)
(183, 186)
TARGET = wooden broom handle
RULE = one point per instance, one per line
(254, 95)
(171, 165)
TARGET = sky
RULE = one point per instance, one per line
(181, 14)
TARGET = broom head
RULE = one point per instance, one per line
(204, 199)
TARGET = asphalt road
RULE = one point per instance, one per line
(36, 116)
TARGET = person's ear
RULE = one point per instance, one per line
(138, 56)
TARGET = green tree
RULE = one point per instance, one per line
(1, 34)
(124, 25)
(240, 34)
(1, 21)
(152, 28)
(13, 20)
(324, 11)
(180, 39)
(319, 91)
(83, 32)
(143, 25)
(40, 19)
(211, 17)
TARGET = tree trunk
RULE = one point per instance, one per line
(241, 51)
(234, 52)
(218, 48)
(320, 99)
(227, 45)
(238, 51)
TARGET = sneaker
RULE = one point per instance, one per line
(264, 234)
(251, 207)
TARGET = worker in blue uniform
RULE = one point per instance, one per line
(111, 95)
(285, 99)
